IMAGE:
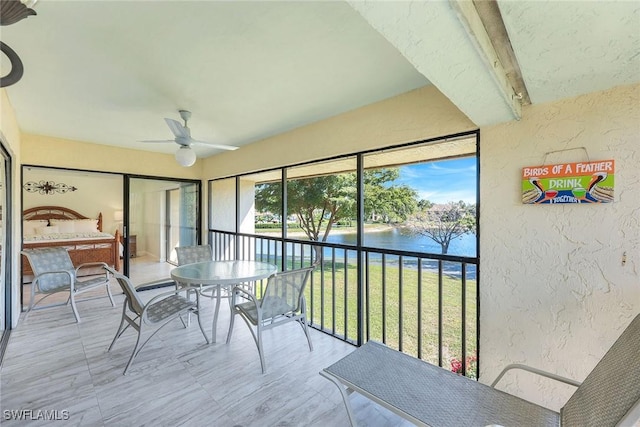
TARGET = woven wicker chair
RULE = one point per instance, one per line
(153, 315)
(54, 272)
(428, 395)
(282, 301)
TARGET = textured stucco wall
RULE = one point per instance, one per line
(554, 292)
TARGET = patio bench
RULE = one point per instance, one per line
(428, 395)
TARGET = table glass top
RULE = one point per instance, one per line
(221, 272)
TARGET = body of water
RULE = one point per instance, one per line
(403, 240)
(399, 239)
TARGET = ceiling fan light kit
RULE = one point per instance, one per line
(185, 156)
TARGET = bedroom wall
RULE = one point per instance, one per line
(555, 291)
(96, 193)
(11, 138)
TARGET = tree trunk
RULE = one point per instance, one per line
(319, 255)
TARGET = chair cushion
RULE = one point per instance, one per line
(168, 307)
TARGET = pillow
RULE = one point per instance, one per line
(48, 230)
(64, 225)
(85, 225)
(29, 227)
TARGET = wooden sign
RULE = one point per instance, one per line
(586, 182)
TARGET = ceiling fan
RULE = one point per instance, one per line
(185, 156)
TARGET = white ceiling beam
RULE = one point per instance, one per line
(432, 38)
(470, 19)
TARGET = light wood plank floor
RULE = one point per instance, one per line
(53, 363)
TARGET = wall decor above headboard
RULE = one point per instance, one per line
(48, 187)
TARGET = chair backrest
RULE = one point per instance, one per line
(613, 387)
(285, 292)
(45, 260)
(133, 299)
(192, 254)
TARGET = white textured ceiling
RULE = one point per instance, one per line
(564, 48)
(568, 48)
(108, 71)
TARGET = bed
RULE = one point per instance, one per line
(46, 226)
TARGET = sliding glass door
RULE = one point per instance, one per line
(5, 249)
(162, 215)
(152, 215)
(182, 219)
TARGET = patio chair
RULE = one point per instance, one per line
(54, 272)
(282, 301)
(428, 395)
(192, 254)
(153, 315)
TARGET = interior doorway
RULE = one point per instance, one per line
(148, 216)
(160, 215)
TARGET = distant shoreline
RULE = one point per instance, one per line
(369, 228)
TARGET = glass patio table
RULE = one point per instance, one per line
(220, 274)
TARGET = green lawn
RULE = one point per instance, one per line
(384, 303)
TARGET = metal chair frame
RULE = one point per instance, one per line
(422, 393)
(64, 278)
(269, 312)
(155, 314)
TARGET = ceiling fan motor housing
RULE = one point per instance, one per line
(186, 115)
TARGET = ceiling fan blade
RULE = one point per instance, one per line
(178, 130)
(160, 140)
(213, 145)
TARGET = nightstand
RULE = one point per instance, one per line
(133, 245)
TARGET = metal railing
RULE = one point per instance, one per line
(425, 305)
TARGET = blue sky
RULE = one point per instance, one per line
(442, 181)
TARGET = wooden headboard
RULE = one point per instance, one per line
(55, 212)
